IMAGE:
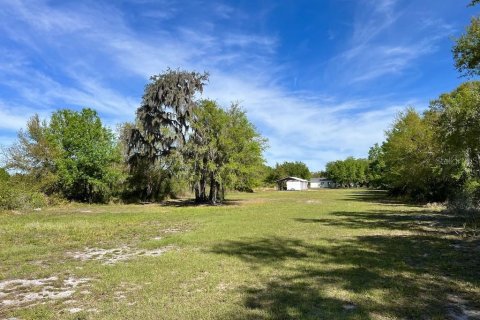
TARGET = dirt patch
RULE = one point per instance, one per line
(115, 255)
(435, 206)
(124, 290)
(222, 286)
(174, 230)
(31, 291)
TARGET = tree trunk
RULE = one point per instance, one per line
(213, 190)
(200, 189)
(196, 188)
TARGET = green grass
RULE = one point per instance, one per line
(328, 254)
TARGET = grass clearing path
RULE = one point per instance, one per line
(328, 254)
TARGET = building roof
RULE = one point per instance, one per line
(292, 178)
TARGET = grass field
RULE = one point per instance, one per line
(329, 254)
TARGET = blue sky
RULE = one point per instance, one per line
(322, 80)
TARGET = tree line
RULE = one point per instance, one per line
(177, 142)
(434, 155)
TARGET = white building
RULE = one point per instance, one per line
(316, 183)
(292, 183)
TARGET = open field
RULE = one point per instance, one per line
(329, 254)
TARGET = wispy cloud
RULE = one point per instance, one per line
(75, 55)
(377, 48)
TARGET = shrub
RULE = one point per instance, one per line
(466, 203)
(13, 197)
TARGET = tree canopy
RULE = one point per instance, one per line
(376, 166)
(164, 117)
(348, 172)
(72, 154)
(466, 51)
(224, 151)
(289, 169)
(458, 130)
(411, 156)
(215, 148)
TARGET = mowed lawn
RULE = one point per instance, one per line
(328, 254)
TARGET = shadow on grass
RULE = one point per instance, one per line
(407, 276)
(375, 196)
(435, 223)
(192, 203)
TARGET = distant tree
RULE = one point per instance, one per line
(319, 174)
(263, 174)
(175, 132)
(348, 172)
(289, 169)
(245, 148)
(156, 142)
(376, 167)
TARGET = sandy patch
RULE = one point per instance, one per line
(31, 291)
(222, 286)
(115, 255)
(174, 230)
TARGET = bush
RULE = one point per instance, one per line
(17, 197)
(466, 203)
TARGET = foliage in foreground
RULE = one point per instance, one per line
(436, 156)
(466, 51)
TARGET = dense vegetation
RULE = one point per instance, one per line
(349, 172)
(434, 155)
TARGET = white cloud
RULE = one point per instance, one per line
(377, 49)
(12, 119)
(90, 51)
